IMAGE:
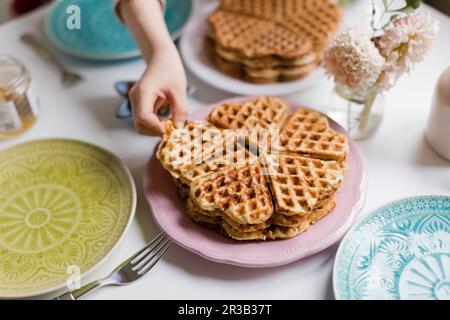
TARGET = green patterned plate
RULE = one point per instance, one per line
(64, 206)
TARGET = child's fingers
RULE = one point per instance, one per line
(151, 125)
(145, 131)
(162, 107)
(179, 107)
(143, 103)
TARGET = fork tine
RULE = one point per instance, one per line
(149, 254)
(147, 250)
(137, 254)
(155, 258)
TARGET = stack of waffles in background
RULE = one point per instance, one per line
(264, 41)
(248, 189)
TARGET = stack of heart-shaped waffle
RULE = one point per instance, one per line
(249, 189)
(265, 41)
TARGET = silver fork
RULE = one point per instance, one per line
(69, 78)
(129, 271)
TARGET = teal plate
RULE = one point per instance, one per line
(102, 36)
(399, 252)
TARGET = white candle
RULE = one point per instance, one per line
(438, 128)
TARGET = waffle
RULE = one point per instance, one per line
(241, 193)
(200, 216)
(261, 113)
(216, 213)
(183, 189)
(263, 62)
(234, 154)
(311, 20)
(278, 232)
(281, 74)
(228, 231)
(308, 120)
(282, 220)
(182, 149)
(300, 185)
(272, 233)
(297, 220)
(262, 175)
(266, 41)
(322, 211)
(255, 38)
(246, 227)
(256, 72)
(308, 133)
(260, 121)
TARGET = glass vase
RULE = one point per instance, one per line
(360, 113)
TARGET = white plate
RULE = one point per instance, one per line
(197, 60)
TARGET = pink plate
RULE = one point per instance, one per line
(168, 211)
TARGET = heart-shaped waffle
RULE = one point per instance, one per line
(266, 41)
(182, 149)
(310, 20)
(235, 154)
(261, 113)
(300, 185)
(308, 133)
(241, 193)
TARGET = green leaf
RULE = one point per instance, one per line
(415, 4)
(393, 17)
(406, 10)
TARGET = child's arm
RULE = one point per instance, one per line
(164, 79)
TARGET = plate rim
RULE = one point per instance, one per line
(119, 240)
(362, 220)
(356, 209)
(257, 88)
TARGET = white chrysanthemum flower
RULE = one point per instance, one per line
(353, 60)
(406, 42)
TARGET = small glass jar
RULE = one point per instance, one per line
(360, 113)
(19, 108)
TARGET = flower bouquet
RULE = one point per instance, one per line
(366, 66)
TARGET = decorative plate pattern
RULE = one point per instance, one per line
(169, 212)
(62, 203)
(400, 251)
(102, 35)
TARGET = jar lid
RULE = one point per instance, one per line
(11, 71)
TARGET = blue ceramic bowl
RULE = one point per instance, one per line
(102, 36)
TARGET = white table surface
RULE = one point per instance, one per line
(400, 164)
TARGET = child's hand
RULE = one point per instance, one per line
(164, 80)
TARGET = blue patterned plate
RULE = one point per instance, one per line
(400, 251)
(102, 36)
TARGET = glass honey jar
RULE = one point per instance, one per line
(19, 108)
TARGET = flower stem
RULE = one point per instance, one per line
(349, 116)
(365, 113)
